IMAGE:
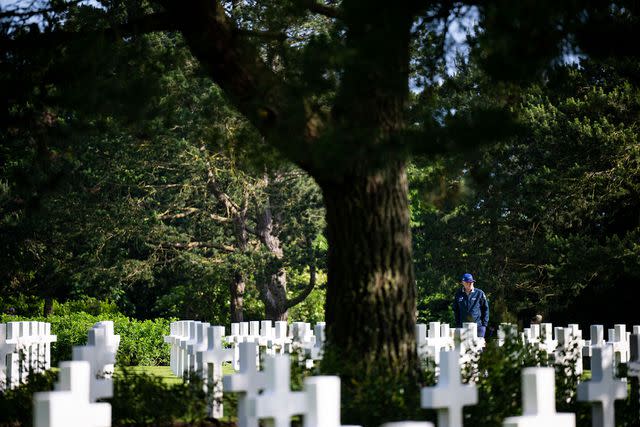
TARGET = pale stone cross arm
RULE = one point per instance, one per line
(449, 395)
(634, 362)
(100, 352)
(538, 402)
(603, 389)
(247, 382)
(277, 403)
(69, 405)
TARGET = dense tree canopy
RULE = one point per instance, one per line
(547, 220)
(327, 85)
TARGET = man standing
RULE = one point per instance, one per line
(470, 305)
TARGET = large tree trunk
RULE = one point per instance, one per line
(237, 285)
(275, 304)
(236, 292)
(47, 309)
(273, 286)
(370, 305)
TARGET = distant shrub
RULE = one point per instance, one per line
(21, 305)
(141, 342)
(88, 305)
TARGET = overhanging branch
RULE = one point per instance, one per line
(145, 24)
(307, 290)
(322, 9)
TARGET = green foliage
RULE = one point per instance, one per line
(139, 399)
(312, 308)
(141, 342)
(16, 405)
(142, 399)
(542, 219)
(86, 304)
(365, 384)
(435, 307)
(497, 376)
(21, 305)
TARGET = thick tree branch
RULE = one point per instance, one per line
(205, 245)
(307, 290)
(269, 35)
(22, 13)
(322, 9)
(166, 215)
(232, 61)
(144, 24)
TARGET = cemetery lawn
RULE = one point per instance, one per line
(164, 372)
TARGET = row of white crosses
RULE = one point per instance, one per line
(564, 343)
(198, 347)
(266, 395)
(439, 336)
(24, 347)
(188, 338)
(538, 392)
(82, 382)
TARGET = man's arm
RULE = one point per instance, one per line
(484, 308)
(456, 310)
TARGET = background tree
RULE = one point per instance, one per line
(126, 204)
(327, 85)
(547, 220)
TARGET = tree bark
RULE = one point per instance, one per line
(236, 291)
(273, 288)
(48, 306)
(370, 306)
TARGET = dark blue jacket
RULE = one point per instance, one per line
(471, 308)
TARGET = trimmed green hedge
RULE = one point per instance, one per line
(141, 342)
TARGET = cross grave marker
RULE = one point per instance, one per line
(538, 402)
(603, 389)
(449, 395)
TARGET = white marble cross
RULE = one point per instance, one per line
(506, 331)
(322, 394)
(100, 352)
(317, 350)
(538, 402)
(596, 340)
(69, 405)
(634, 362)
(169, 339)
(438, 338)
(603, 389)
(254, 328)
(568, 350)
(6, 347)
(547, 343)
(201, 344)
(445, 332)
(247, 382)
(449, 395)
(277, 403)
(266, 332)
(280, 340)
(620, 343)
(209, 364)
(421, 340)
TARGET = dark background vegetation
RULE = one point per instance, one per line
(179, 161)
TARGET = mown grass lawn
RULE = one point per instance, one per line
(164, 372)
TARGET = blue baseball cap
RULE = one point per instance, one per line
(467, 277)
